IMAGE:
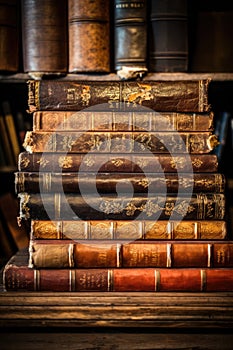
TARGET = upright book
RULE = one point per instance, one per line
(165, 96)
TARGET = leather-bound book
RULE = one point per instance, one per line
(9, 36)
(89, 36)
(44, 36)
(58, 206)
(17, 276)
(166, 254)
(120, 142)
(122, 121)
(128, 230)
(162, 96)
(77, 182)
(130, 33)
(168, 36)
(106, 162)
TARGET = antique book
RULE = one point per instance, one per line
(132, 253)
(128, 162)
(166, 96)
(122, 121)
(130, 33)
(168, 39)
(44, 39)
(58, 206)
(132, 229)
(120, 142)
(89, 36)
(17, 276)
(77, 182)
(9, 36)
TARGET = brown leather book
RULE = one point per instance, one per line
(129, 230)
(165, 96)
(131, 162)
(93, 254)
(168, 39)
(89, 36)
(59, 206)
(120, 142)
(77, 182)
(130, 33)
(44, 36)
(9, 36)
(122, 121)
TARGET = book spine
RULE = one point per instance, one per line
(165, 96)
(67, 207)
(105, 183)
(9, 36)
(130, 230)
(121, 121)
(45, 37)
(120, 142)
(168, 43)
(89, 36)
(116, 163)
(94, 254)
(118, 280)
(130, 33)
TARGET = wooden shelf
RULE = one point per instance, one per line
(23, 77)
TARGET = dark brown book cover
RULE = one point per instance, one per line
(130, 33)
(89, 36)
(9, 36)
(120, 142)
(93, 254)
(17, 276)
(122, 121)
(59, 206)
(131, 162)
(165, 96)
(168, 38)
(118, 182)
(131, 230)
(44, 36)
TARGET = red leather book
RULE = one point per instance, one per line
(131, 229)
(58, 206)
(166, 96)
(17, 276)
(135, 253)
(77, 182)
(120, 142)
(114, 163)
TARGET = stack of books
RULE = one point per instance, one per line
(122, 190)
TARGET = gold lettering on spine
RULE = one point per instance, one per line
(20, 181)
(157, 280)
(169, 259)
(72, 278)
(203, 280)
(209, 250)
(57, 205)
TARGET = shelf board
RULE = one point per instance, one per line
(23, 77)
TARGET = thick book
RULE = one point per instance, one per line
(58, 206)
(122, 121)
(9, 36)
(132, 229)
(166, 96)
(120, 142)
(77, 182)
(17, 276)
(168, 39)
(130, 33)
(113, 163)
(44, 36)
(94, 254)
(89, 36)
